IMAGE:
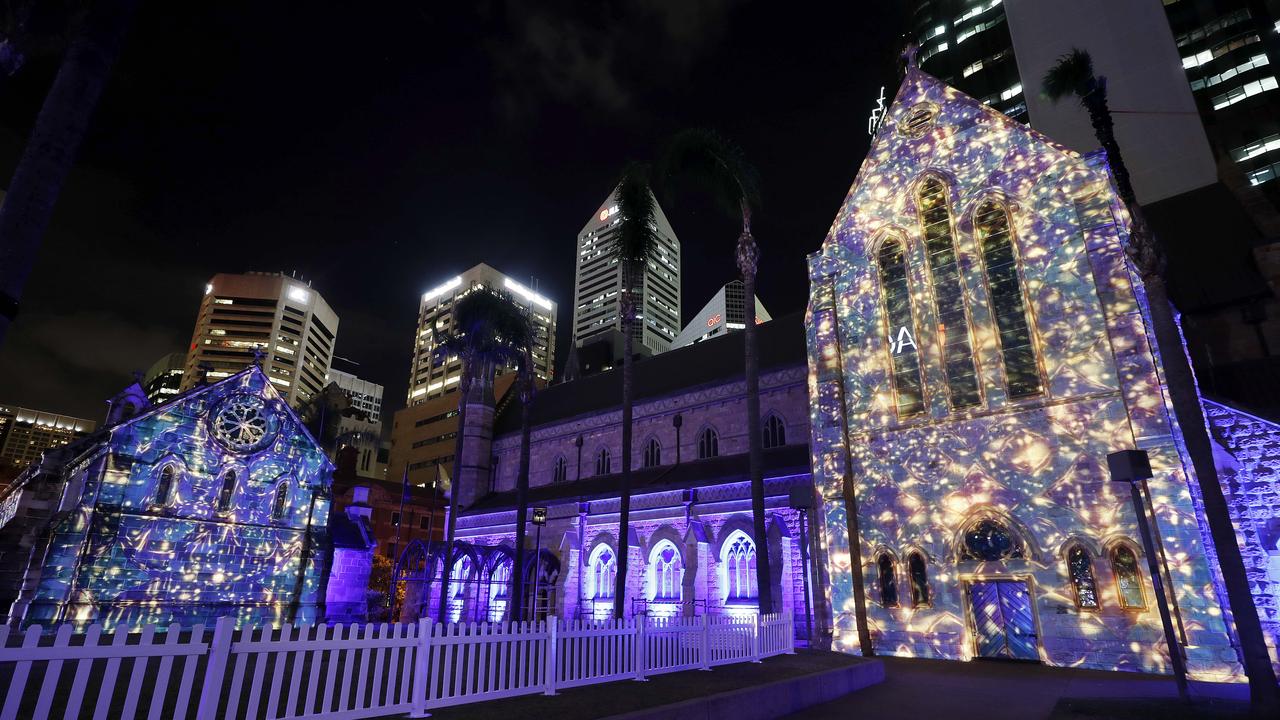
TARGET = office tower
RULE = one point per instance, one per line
(428, 376)
(966, 43)
(598, 281)
(364, 426)
(163, 379)
(725, 312)
(272, 314)
(25, 433)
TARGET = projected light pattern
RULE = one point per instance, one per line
(133, 551)
(1065, 374)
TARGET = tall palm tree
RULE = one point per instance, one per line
(55, 139)
(635, 244)
(721, 166)
(524, 344)
(483, 338)
(1073, 75)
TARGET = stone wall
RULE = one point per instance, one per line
(347, 586)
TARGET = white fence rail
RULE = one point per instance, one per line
(352, 671)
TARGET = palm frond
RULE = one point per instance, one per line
(487, 327)
(1072, 74)
(636, 240)
(715, 163)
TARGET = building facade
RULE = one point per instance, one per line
(216, 503)
(690, 547)
(431, 377)
(277, 316)
(725, 312)
(26, 433)
(163, 379)
(598, 282)
(978, 346)
(364, 427)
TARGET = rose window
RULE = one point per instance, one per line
(242, 422)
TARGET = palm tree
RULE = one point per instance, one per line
(483, 339)
(1073, 75)
(523, 342)
(722, 167)
(52, 147)
(634, 245)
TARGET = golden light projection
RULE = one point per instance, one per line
(979, 447)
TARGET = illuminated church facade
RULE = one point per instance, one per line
(977, 347)
(215, 503)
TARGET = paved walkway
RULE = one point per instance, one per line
(986, 690)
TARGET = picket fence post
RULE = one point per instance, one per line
(641, 659)
(706, 642)
(219, 656)
(421, 668)
(549, 666)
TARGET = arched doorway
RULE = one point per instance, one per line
(1002, 613)
(411, 582)
(541, 581)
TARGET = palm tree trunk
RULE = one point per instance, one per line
(59, 129)
(522, 493)
(624, 504)
(748, 256)
(1104, 129)
(451, 526)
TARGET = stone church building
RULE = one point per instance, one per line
(978, 345)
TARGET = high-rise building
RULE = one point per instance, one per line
(365, 396)
(598, 281)
(725, 312)
(272, 314)
(25, 433)
(428, 376)
(163, 379)
(365, 424)
(967, 44)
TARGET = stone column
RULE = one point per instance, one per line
(472, 470)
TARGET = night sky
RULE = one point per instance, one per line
(380, 148)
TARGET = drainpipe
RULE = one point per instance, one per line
(296, 603)
(677, 421)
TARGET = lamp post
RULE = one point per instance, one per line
(801, 501)
(539, 519)
(1134, 467)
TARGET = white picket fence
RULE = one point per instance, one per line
(353, 671)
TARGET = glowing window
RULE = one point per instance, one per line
(499, 590)
(604, 464)
(652, 453)
(561, 471)
(989, 541)
(740, 569)
(991, 228)
(164, 488)
(904, 353)
(1080, 567)
(920, 117)
(774, 432)
(604, 573)
(227, 491)
(708, 444)
(948, 295)
(919, 580)
(667, 572)
(888, 581)
(281, 501)
(1124, 564)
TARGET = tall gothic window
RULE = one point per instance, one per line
(499, 590)
(888, 581)
(604, 464)
(561, 471)
(948, 294)
(665, 561)
(774, 432)
(227, 492)
(740, 569)
(164, 487)
(604, 572)
(1124, 564)
(919, 580)
(1080, 568)
(903, 350)
(991, 228)
(708, 444)
(652, 453)
(280, 501)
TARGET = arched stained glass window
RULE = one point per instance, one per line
(948, 294)
(991, 228)
(888, 581)
(708, 444)
(227, 492)
(1124, 564)
(652, 453)
(919, 580)
(774, 431)
(667, 567)
(164, 487)
(1080, 568)
(281, 501)
(604, 572)
(740, 569)
(604, 464)
(561, 471)
(904, 353)
(989, 541)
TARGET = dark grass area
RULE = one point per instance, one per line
(1146, 709)
(615, 698)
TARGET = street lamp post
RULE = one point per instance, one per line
(539, 519)
(1134, 467)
